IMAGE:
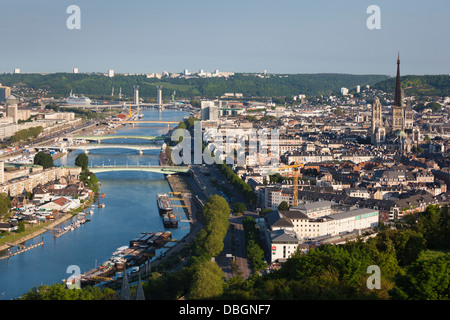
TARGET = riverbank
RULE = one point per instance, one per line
(46, 227)
(193, 213)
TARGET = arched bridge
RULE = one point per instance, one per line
(112, 137)
(94, 146)
(155, 169)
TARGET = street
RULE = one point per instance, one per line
(234, 242)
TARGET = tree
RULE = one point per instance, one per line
(239, 207)
(208, 281)
(90, 180)
(21, 226)
(5, 204)
(284, 206)
(425, 280)
(43, 159)
(82, 161)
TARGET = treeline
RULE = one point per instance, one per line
(238, 183)
(255, 253)
(97, 85)
(25, 134)
(436, 85)
(200, 278)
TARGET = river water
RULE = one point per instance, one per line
(130, 208)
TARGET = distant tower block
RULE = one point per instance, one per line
(16, 71)
(75, 70)
(111, 73)
(159, 96)
(136, 95)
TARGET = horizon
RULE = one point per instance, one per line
(392, 75)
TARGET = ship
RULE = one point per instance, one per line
(164, 205)
(75, 100)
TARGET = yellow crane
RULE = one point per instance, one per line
(295, 184)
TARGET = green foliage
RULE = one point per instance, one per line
(434, 106)
(208, 282)
(26, 134)
(82, 161)
(253, 243)
(43, 159)
(239, 207)
(90, 180)
(432, 85)
(425, 280)
(408, 244)
(209, 240)
(283, 206)
(60, 84)
(238, 183)
(278, 178)
(21, 227)
(58, 291)
(434, 225)
(5, 205)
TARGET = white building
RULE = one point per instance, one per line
(344, 91)
(111, 73)
(288, 229)
(75, 70)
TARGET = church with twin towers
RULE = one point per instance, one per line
(397, 132)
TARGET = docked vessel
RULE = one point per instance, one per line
(164, 205)
(170, 221)
(75, 100)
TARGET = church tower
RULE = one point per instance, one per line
(377, 131)
(398, 113)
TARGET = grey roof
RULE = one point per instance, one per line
(351, 213)
(283, 236)
(294, 215)
(312, 206)
(276, 220)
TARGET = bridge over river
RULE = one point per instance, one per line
(99, 139)
(149, 168)
(93, 146)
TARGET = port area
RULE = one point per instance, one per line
(128, 259)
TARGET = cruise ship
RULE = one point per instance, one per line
(75, 100)
(164, 204)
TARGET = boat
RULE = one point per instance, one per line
(164, 205)
(78, 101)
(170, 221)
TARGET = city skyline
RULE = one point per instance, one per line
(284, 37)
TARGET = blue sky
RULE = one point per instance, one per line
(283, 36)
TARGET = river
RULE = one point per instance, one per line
(130, 208)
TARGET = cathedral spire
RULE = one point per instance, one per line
(398, 86)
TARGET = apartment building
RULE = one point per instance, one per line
(289, 229)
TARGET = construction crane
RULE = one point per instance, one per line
(295, 184)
